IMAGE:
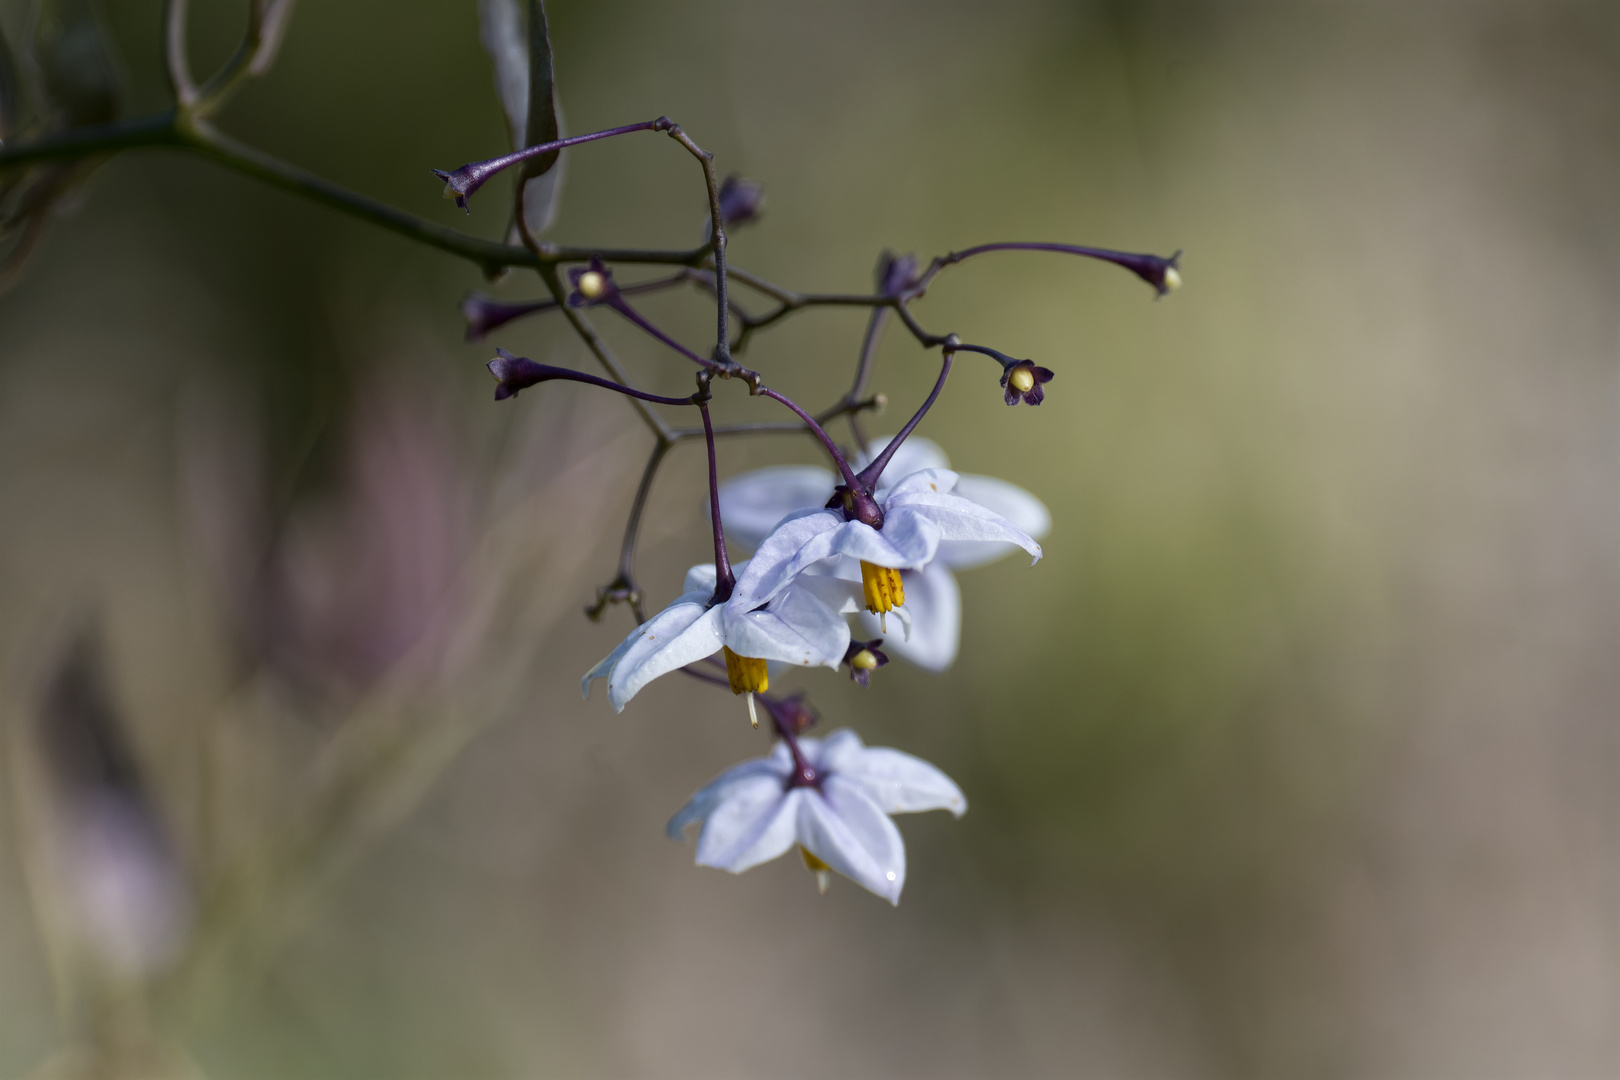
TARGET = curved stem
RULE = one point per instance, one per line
(870, 474)
(724, 580)
(821, 434)
(175, 63)
(617, 303)
(593, 341)
(717, 239)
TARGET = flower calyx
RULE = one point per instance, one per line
(794, 714)
(856, 505)
(1022, 380)
(864, 657)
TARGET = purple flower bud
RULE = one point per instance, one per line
(863, 658)
(896, 273)
(1022, 381)
(461, 184)
(740, 200)
(1161, 273)
(485, 313)
(794, 713)
(515, 373)
(593, 284)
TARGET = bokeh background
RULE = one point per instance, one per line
(1296, 756)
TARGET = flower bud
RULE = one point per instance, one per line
(593, 283)
(795, 713)
(1022, 381)
(864, 657)
(514, 373)
(740, 200)
(485, 313)
(896, 273)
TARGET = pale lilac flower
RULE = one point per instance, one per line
(838, 815)
(755, 502)
(801, 625)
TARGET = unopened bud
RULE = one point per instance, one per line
(592, 285)
(1022, 381)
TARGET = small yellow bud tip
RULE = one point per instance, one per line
(591, 284)
(863, 660)
(1022, 380)
(1172, 279)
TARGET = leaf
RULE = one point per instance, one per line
(500, 30)
(542, 115)
(76, 60)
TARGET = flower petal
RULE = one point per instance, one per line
(680, 634)
(845, 828)
(796, 628)
(932, 481)
(934, 607)
(754, 824)
(914, 455)
(1011, 502)
(779, 766)
(957, 518)
(699, 582)
(753, 503)
(898, 782)
(801, 541)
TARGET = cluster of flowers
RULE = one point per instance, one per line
(879, 535)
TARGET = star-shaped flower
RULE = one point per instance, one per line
(752, 504)
(800, 625)
(760, 809)
(919, 513)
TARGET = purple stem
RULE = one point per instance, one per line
(472, 176)
(1150, 268)
(617, 303)
(516, 373)
(820, 433)
(869, 475)
(724, 580)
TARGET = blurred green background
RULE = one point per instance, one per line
(1296, 756)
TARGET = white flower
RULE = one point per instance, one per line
(802, 625)
(755, 812)
(754, 503)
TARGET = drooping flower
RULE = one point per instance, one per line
(863, 658)
(1022, 381)
(752, 504)
(838, 815)
(919, 513)
(801, 625)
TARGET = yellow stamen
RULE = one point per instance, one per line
(591, 284)
(884, 591)
(746, 673)
(1172, 279)
(863, 660)
(1022, 380)
(822, 871)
